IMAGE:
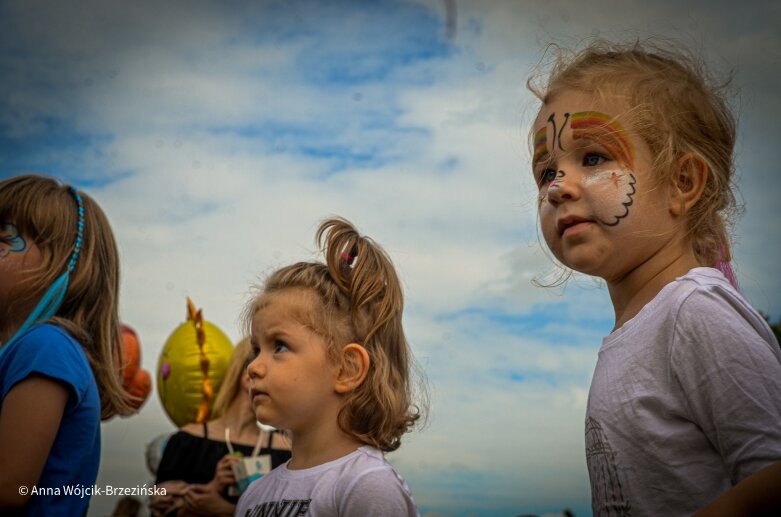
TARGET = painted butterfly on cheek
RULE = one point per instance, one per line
(10, 240)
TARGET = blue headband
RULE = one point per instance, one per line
(52, 299)
(79, 228)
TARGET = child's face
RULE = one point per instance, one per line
(599, 211)
(18, 256)
(291, 379)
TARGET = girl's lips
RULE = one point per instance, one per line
(572, 224)
(576, 228)
(257, 393)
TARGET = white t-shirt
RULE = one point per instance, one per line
(685, 401)
(361, 484)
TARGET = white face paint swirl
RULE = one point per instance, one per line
(608, 193)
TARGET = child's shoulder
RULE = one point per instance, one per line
(47, 338)
(701, 288)
(702, 296)
(708, 305)
(377, 488)
(363, 459)
(706, 290)
(47, 331)
(50, 351)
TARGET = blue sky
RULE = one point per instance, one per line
(216, 135)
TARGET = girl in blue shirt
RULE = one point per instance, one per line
(59, 344)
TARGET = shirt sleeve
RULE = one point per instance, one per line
(730, 377)
(47, 350)
(378, 491)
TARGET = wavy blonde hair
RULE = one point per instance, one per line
(231, 383)
(677, 108)
(360, 303)
(45, 211)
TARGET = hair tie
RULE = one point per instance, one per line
(348, 258)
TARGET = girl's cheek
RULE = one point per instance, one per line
(543, 204)
(609, 191)
(547, 220)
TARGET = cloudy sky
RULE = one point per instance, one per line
(216, 135)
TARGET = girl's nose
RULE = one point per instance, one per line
(563, 188)
(257, 368)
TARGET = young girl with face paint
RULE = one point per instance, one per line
(633, 158)
(332, 367)
(59, 344)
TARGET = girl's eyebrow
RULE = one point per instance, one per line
(604, 130)
(273, 332)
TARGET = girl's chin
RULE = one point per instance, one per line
(584, 265)
(262, 416)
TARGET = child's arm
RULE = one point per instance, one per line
(756, 495)
(29, 419)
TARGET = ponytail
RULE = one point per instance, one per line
(359, 300)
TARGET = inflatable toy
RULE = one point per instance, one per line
(191, 367)
(137, 382)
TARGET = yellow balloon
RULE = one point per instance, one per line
(188, 375)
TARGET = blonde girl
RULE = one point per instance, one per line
(195, 468)
(633, 158)
(332, 367)
(60, 337)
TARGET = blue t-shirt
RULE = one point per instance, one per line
(75, 455)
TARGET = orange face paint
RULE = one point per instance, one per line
(606, 131)
(540, 144)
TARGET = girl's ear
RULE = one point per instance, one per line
(353, 368)
(691, 177)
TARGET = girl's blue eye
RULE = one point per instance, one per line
(593, 160)
(547, 176)
(280, 346)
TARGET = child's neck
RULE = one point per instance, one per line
(318, 446)
(634, 290)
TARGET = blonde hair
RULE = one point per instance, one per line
(231, 383)
(358, 302)
(677, 108)
(46, 211)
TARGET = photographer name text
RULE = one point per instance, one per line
(88, 491)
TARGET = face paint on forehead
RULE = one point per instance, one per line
(606, 131)
(557, 135)
(10, 240)
(540, 144)
(541, 150)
